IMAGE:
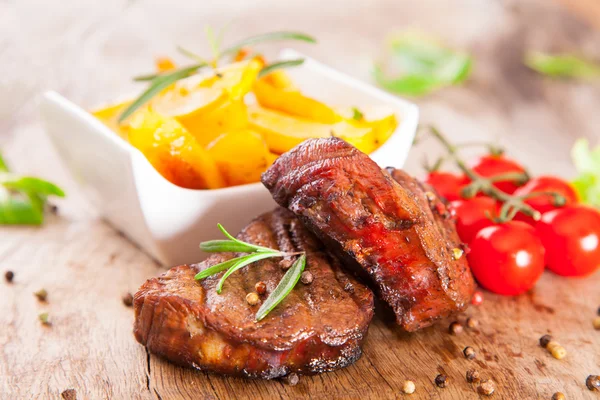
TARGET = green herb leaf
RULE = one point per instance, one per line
(242, 262)
(231, 237)
(3, 165)
(285, 286)
(219, 246)
(157, 85)
(562, 65)
(421, 66)
(20, 209)
(587, 163)
(192, 55)
(215, 269)
(32, 185)
(265, 37)
(357, 115)
(280, 65)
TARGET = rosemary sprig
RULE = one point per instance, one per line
(256, 253)
(159, 82)
(267, 69)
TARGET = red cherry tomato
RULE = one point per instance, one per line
(472, 216)
(545, 203)
(446, 184)
(507, 258)
(571, 236)
(491, 165)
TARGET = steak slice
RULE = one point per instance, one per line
(386, 229)
(318, 327)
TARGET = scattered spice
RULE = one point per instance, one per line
(285, 264)
(558, 396)
(260, 287)
(42, 295)
(457, 253)
(593, 383)
(441, 381)
(486, 387)
(53, 208)
(306, 277)
(473, 376)
(430, 197)
(9, 276)
(596, 323)
(291, 379)
(455, 328)
(252, 298)
(127, 299)
(477, 298)
(469, 353)
(69, 394)
(598, 311)
(408, 387)
(472, 323)
(544, 340)
(556, 350)
(44, 318)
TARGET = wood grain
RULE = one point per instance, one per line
(88, 50)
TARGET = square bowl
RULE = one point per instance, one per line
(166, 220)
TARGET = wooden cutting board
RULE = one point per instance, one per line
(88, 53)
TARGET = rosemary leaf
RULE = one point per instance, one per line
(231, 237)
(285, 286)
(157, 85)
(243, 261)
(265, 37)
(215, 269)
(145, 78)
(219, 246)
(191, 54)
(279, 65)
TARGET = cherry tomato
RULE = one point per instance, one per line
(447, 184)
(508, 258)
(491, 165)
(545, 203)
(571, 236)
(472, 216)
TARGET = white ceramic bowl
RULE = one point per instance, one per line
(169, 221)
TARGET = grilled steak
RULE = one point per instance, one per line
(386, 229)
(318, 327)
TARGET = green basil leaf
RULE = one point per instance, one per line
(31, 185)
(284, 287)
(562, 65)
(421, 66)
(242, 262)
(157, 85)
(587, 163)
(266, 37)
(280, 65)
(20, 208)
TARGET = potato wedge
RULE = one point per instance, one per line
(110, 117)
(236, 79)
(282, 132)
(292, 101)
(382, 120)
(173, 151)
(241, 156)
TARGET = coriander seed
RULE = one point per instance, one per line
(285, 264)
(42, 295)
(292, 379)
(44, 318)
(486, 387)
(473, 376)
(252, 298)
(260, 287)
(544, 340)
(306, 277)
(472, 323)
(593, 383)
(441, 381)
(596, 323)
(556, 350)
(69, 394)
(127, 299)
(408, 387)
(469, 353)
(558, 396)
(9, 276)
(455, 328)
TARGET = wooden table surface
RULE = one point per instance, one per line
(88, 50)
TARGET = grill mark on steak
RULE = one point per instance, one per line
(316, 328)
(385, 229)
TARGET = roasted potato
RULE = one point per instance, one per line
(381, 119)
(282, 132)
(173, 151)
(241, 156)
(110, 117)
